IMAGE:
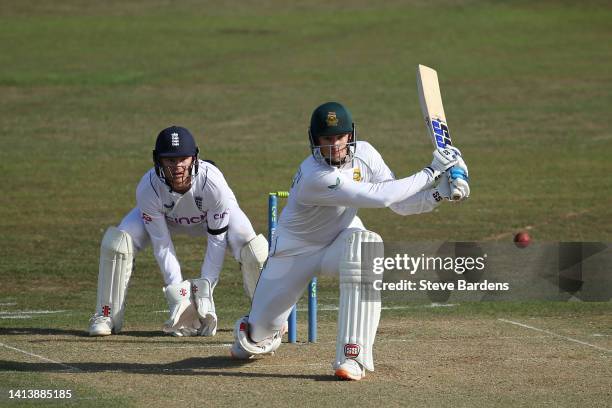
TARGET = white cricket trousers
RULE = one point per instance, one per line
(285, 278)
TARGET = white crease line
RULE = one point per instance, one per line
(227, 345)
(40, 357)
(433, 305)
(584, 343)
(29, 312)
(383, 340)
(304, 344)
(334, 308)
(8, 304)
(292, 365)
(16, 317)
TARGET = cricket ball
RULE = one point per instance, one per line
(522, 239)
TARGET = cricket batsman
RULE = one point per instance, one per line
(181, 194)
(319, 232)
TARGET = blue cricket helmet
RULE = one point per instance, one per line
(175, 141)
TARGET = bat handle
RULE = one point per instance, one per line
(456, 193)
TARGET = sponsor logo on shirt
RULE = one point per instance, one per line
(335, 186)
(297, 177)
(146, 218)
(199, 219)
(220, 216)
(356, 174)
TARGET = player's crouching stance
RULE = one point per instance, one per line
(319, 232)
(180, 195)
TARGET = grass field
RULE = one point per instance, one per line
(86, 87)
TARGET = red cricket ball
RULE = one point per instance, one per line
(522, 239)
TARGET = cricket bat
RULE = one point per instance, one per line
(433, 112)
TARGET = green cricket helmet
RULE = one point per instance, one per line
(331, 119)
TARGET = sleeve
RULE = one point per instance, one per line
(380, 171)
(218, 198)
(149, 205)
(424, 201)
(336, 189)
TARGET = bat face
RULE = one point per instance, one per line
(431, 106)
(439, 129)
(433, 112)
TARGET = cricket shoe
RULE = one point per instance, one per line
(350, 370)
(238, 353)
(244, 348)
(100, 325)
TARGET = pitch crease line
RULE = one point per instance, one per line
(584, 343)
(40, 357)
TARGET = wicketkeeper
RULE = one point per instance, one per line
(179, 195)
(319, 232)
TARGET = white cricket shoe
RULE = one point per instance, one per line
(244, 348)
(239, 353)
(100, 325)
(350, 370)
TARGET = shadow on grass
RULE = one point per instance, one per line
(44, 331)
(206, 366)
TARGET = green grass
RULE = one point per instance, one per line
(86, 87)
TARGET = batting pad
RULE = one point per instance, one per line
(359, 309)
(253, 256)
(116, 263)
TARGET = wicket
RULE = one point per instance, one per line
(312, 286)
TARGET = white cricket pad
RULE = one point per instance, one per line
(183, 319)
(359, 309)
(202, 291)
(253, 256)
(116, 263)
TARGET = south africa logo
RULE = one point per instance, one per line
(332, 119)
